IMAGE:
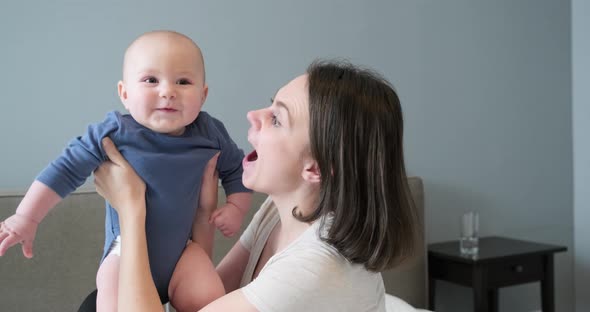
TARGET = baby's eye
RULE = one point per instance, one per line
(183, 81)
(150, 80)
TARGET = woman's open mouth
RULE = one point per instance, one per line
(253, 156)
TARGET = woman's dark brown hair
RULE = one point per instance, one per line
(356, 130)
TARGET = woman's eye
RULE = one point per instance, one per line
(183, 82)
(150, 80)
(275, 121)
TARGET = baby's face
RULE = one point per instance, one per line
(163, 87)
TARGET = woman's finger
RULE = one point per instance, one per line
(99, 175)
(210, 169)
(117, 182)
(97, 183)
(112, 152)
(208, 193)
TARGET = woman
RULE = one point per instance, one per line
(328, 152)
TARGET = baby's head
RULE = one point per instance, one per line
(163, 84)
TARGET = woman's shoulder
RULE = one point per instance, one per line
(266, 213)
(313, 269)
(260, 225)
(321, 257)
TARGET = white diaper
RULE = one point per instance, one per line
(115, 248)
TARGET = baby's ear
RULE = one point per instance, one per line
(205, 93)
(311, 172)
(122, 93)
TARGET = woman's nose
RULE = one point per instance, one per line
(253, 119)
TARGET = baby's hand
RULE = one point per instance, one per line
(228, 219)
(18, 229)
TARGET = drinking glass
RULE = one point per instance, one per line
(469, 240)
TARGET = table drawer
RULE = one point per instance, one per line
(513, 271)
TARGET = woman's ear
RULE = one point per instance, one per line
(311, 172)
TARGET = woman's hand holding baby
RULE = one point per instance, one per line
(125, 190)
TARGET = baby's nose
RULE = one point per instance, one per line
(167, 91)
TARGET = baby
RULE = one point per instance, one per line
(168, 140)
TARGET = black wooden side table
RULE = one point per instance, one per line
(501, 262)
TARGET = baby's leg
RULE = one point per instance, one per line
(107, 283)
(194, 283)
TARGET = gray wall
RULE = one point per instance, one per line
(581, 116)
(486, 89)
(491, 130)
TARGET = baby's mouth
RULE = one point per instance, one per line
(167, 109)
(253, 156)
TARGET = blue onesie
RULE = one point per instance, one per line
(172, 168)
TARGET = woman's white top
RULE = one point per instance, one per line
(308, 275)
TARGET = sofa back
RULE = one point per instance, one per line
(69, 245)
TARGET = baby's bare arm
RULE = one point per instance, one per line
(241, 200)
(22, 226)
(229, 217)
